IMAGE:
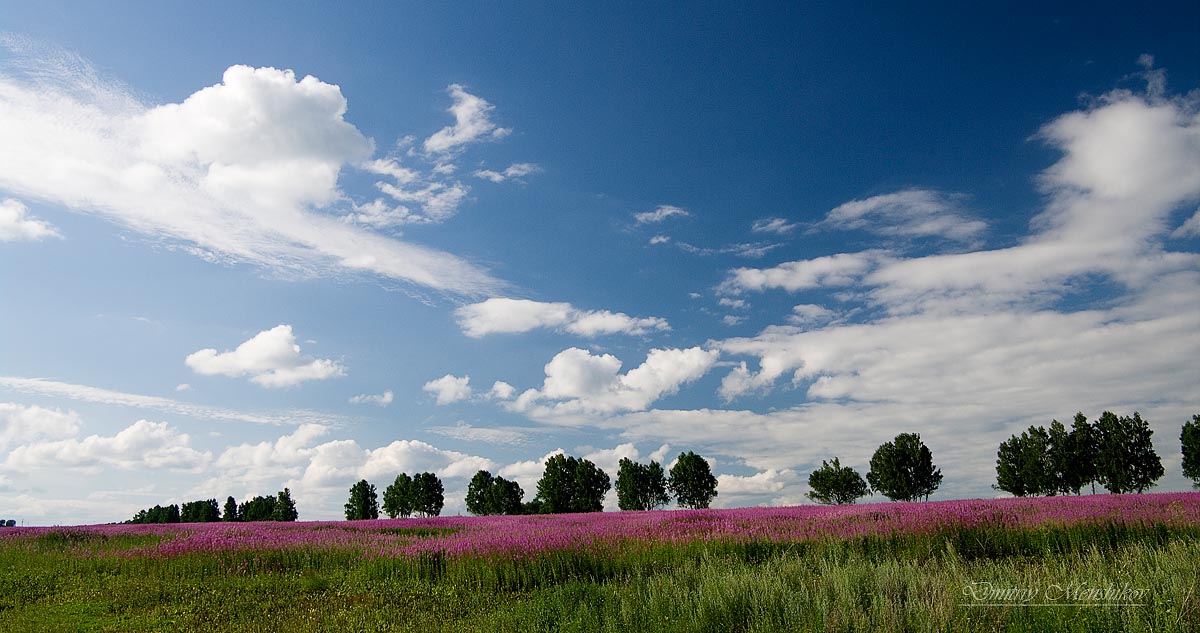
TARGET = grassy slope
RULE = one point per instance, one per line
(57, 583)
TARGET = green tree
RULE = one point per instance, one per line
(200, 511)
(259, 508)
(363, 502)
(231, 510)
(641, 486)
(571, 485)
(1082, 471)
(1189, 440)
(398, 497)
(1059, 454)
(493, 495)
(903, 470)
(479, 493)
(1024, 465)
(692, 481)
(1125, 456)
(834, 484)
(285, 507)
(428, 495)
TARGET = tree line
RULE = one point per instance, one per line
(279, 507)
(1115, 452)
(8, 523)
(568, 484)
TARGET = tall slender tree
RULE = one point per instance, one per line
(363, 502)
(428, 495)
(1126, 459)
(1082, 471)
(231, 510)
(285, 507)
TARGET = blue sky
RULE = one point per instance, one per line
(244, 247)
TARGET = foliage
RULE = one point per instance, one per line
(834, 484)
(200, 511)
(428, 495)
(157, 514)
(641, 486)
(363, 502)
(1125, 456)
(285, 507)
(398, 497)
(1082, 442)
(1024, 466)
(569, 484)
(259, 508)
(1189, 440)
(692, 481)
(903, 470)
(231, 510)
(488, 495)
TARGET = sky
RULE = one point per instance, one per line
(250, 246)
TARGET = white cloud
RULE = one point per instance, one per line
(736, 304)
(411, 456)
(383, 399)
(320, 473)
(85, 393)
(527, 473)
(752, 250)
(502, 390)
(1127, 165)
(183, 386)
(500, 315)
(271, 357)
(909, 213)
(779, 226)
(142, 445)
(810, 314)
(767, 482)
(238, 171)
(449, 388)
(17, 226)
(578, 382)
(514, 171)
(472, 123)
(662, 212)
(842, 269)
(22, 423)
(732, 319)
(660, 239)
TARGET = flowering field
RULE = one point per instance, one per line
(840, 567)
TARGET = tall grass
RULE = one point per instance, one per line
(892, 582)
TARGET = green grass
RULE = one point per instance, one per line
(73, 582)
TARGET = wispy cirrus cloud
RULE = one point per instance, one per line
(99, 395)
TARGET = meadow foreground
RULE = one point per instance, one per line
(1102, 562)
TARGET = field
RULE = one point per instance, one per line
(1091, 563)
